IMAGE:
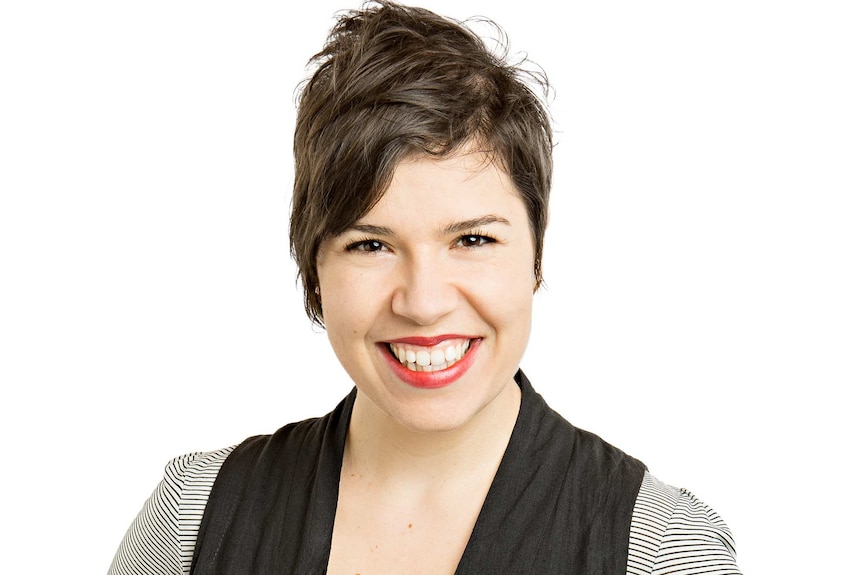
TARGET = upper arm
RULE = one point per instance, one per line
(162, 537)
(674, 533)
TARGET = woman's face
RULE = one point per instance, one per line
(427, 299)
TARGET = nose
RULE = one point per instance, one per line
(425, 290)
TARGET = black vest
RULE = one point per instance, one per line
(561, 501)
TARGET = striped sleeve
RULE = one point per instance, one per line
(674, 533)
(161, 540)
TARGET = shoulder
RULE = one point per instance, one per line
(673, 532)
(162, 537)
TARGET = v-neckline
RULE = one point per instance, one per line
(509, 478)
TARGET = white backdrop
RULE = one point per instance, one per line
(703, 256)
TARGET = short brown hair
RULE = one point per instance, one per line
(393, 82)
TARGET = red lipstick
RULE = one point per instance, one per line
(428, 341)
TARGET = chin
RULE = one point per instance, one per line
(444, 410)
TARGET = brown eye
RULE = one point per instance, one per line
(474, 241)
(366, 246)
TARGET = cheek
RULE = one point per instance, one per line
(333, 301)
(504, 296)
(341, 323)
(349, 302)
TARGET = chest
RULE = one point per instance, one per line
(382, 533)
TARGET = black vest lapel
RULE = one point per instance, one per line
(272, 506)
(561, 501)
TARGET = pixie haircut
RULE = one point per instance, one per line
(395, 82)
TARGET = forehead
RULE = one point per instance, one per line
(454, 186)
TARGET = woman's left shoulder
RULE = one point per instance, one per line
(673, 531)
(162, 538)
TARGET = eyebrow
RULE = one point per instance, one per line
(372, 230)
(468, 225)
(453, 228)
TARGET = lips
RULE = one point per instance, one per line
(430, 362)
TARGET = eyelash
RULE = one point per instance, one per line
(369, 245)
(365, 245)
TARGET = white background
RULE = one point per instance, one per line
(702, 307)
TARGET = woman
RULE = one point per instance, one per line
(423, 169)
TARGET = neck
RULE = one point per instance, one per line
(381, 447)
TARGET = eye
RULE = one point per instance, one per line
(368, 246)
(474, 241)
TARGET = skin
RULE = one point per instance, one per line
(447, 250)
(416, 279)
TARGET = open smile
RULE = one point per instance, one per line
(428, 359)
(430, 362)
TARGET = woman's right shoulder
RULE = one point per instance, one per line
(195, 472)
(161, 539)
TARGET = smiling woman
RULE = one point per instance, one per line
(423, 170)
(458, 273)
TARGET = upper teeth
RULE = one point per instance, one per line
(418, 358)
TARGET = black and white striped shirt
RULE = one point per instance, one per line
(672, 532)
